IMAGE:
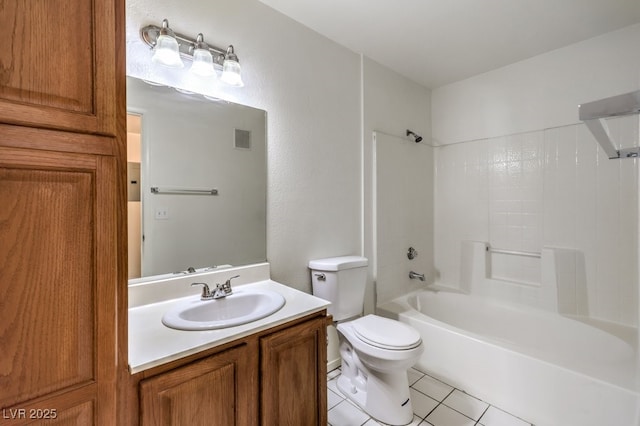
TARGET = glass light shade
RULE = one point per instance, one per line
(202, 63)
(167, 52)
(231, 73)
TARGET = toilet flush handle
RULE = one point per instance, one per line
(321, 277)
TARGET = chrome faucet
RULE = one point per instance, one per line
(221, 290)
(414, 275)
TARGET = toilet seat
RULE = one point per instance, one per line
(385, 333)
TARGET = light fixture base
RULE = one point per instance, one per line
(186, 45)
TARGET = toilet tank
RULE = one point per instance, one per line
(341, 281)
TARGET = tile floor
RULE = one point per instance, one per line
(435, 403)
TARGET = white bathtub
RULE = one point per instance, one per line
(549, 369)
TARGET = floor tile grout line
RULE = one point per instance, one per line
(483, 413)
(361, 424)
(453, 409)
(448, 395)
(429, 396)
(454, 388)
(460, 412)
(429, 413)
(439, 402)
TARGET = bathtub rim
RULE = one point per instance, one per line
(400, 306)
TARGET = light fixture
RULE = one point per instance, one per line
(202, 59)
(231, 69)
(206, 59)
(166, 50)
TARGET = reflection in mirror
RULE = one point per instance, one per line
(197, 182)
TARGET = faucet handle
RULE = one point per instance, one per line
(206, 293)
(228, 282)
(226, 287)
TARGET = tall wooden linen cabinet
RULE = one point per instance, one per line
(62, 211)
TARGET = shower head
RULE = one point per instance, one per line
(416, 138)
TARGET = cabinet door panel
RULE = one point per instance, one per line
(77, 408)
(79, 415)
(58, 65)
(57, 280)
(293, 390)
(212, 392)
(47, 327)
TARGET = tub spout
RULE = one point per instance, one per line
(414, 275)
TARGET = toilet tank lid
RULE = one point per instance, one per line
(338, 263)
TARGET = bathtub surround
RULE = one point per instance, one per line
(554, 279)
(522, 173)
(549, 188)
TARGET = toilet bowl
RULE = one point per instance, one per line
(376, 353)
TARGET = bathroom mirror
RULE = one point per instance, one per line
(197, 182)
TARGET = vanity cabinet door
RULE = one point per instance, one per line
(294, 370)
(216, 391)
(57, 281)
(58, 64)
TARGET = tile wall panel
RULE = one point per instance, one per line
(553, 187)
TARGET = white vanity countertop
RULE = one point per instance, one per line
(151, 343)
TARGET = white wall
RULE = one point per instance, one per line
(528, 176)
(310, 88)
(404, 215)
(323, 103)
(391, 105)
(540, 92)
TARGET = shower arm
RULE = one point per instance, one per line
(594, 113)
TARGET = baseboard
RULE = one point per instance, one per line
(333, 364)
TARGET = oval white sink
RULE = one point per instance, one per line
(239, 308)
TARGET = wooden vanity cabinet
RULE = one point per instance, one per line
(293, 388)
(275, 377)
(213, 391)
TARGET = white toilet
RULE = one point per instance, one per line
(376, 352)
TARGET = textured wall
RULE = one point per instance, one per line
(310, 88)
(540, 92)
(392, 104)
(404, 215)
